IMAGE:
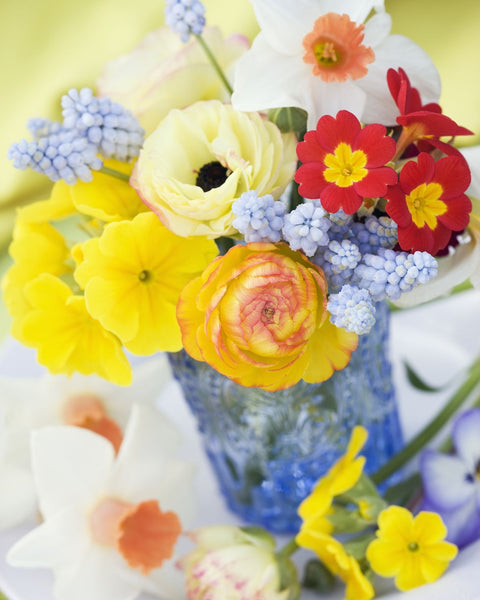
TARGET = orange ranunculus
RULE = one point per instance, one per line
(258, 315)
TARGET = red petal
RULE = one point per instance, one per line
(376, 182)
(458, 214)
(435, 124)
(331, 131)
(453, 174)
(378, 147)
(415, 173)
(394, 85)
(397, 207)
(412, 239)
(334, 198)
(311, 180)
(310, 150)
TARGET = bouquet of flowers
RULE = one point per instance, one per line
(251, 206)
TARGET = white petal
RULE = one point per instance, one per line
(397, 51)
(265, 79)
(60, 541)
(357, 10)
(168, 581)
(18, 499)
(452, 270)
(377, 29)
(71, 466)
(329, 98)
(285, 23)
(466, 438)
(97, 576)
(472, 156)
(444, 480)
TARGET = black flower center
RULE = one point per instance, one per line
(211, 175)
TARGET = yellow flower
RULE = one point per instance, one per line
(132, 276)
(162, 73)
(58, 206)
(257, 315)
(341, 477)
(411, 549)
(36, 248)
(66, 337)
(339, 562)
(201, 159)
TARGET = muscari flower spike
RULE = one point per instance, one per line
(112, 128)
(374, 234)
(389, 274)
(259, 219)
(306, 228)
(61, 154)
(338, 262)
(185, 17)
(353, 309)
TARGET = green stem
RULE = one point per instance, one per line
(422, 438)
(214, 63)
(114, 173)
(289, 548)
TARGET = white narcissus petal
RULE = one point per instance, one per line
(60, 541)
(146, 468)
(445, 480)
(472, 156)
(71, 467)
(329, 98)
(397, 51)
(285, 23)
(377, 29)
(96, 576)
(357, 10)
(18, 498)
(466, 439)
(265, 79)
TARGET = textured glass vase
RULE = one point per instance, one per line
(269, 448)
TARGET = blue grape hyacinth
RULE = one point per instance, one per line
(185, 17)
(259, 218)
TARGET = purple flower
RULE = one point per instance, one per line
(452, 481)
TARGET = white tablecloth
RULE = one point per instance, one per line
(438, 339)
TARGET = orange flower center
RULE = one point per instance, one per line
(424, 204)
(87, 411)
(142, 533)
(344, 166)
(334, 48)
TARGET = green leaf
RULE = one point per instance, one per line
(403, 492)
(317, 577)
(358, 546)
(419, 383)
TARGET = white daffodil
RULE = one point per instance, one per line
(110, 524)
(327, 55)
(85, 401)
(463, 261)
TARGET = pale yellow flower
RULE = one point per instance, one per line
(411, 549)
(132, 276)
(162, 73)
(201, 159)
(66, 337)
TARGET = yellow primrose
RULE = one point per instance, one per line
(200, 159)
(133, 275)
(66, 337)
(58, 206)
(334, 556)
(342, 476)
(409, 548)
(36, 248)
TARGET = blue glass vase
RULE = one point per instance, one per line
(269, 448)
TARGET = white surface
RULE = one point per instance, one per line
(439, 340)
